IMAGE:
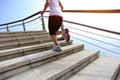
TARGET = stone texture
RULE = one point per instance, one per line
(54, 70)
(101, 69)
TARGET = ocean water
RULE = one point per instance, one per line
(109, 21)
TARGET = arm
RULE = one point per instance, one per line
(45, 7)
(61, 5)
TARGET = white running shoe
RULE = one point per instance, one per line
(57, 48)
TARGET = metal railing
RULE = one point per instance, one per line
(23, 23)
(80, 35)
(85, 36)
(76, 32)
(6, 27)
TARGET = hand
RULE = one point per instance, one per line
(62, 9)
(41, 12)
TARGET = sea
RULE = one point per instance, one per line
(108, 21)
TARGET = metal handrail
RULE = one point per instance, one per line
(97, 45)
(80, 11)
(96, 34)
(88, 26)
(84, 25)
(20, 20)
(87, 36)
(91, 27)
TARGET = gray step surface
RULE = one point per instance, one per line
(7, 39)
(22, 38)
(21, 33)
(104, 68)
(21, 43)
(19, 39)
(118, 76)
(17, 65)
(24, 43)
(22, 51)
(57, 69)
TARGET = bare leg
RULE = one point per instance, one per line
(53, 38)
(58, 32)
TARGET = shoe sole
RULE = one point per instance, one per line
(57, 50)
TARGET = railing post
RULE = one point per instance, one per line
(62, 26)
(24, 26)
(7, 28)
(43, 24)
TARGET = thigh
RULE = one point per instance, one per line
(54, 24)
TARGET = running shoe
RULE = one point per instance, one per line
(57, 48)
(66, 35)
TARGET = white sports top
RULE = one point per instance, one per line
(54, 7)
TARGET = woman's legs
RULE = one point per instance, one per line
(54, 39)
(58, 32)
(54, 25)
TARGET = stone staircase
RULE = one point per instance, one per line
(28, 56)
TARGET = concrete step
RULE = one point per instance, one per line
(21, 33)
(14, 66)
(118, 75)
(22, 51)
(60, 69)
(7, 39)
(22, 38)
(19, 39)
(104, 68)
(21, 43)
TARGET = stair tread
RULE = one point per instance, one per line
(23, 43)
(24, 39)
(118, 76)
(7, 34)
(18, 43)
(104, 68)
(21, 49)
(7, 39)
(20, 61)
(54, 70)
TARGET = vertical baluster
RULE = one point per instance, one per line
(43, 24)
(24, 26)
(7, 28)
(62, 26)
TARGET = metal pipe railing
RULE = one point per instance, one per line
(94, 11)
(23, 23)
(88, 26)
(78, 32)
(79, 11)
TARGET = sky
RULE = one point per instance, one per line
(12, 10)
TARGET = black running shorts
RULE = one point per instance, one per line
(54, 24)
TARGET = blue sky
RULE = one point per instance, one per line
(12, 10)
